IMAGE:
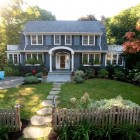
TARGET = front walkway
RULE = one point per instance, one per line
(11, 81)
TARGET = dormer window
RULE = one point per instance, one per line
(68, 39)
(37, 39)
(88, 40)
(57, 40)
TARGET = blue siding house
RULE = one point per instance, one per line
(62, 44)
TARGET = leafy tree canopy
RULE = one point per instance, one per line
(118, 25)
(87, 18)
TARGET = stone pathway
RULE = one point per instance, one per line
(40, 124)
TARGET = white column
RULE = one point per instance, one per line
(50, 62)
(72, 64)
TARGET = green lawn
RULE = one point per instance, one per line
(28, 96)
(99, 89)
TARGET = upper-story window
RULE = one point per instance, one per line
(88, 40)
(37, 40)
(68, 39)
(57, 40)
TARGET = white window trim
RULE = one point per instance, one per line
(36, 40)
(36, 54)
(93, 58)
(18, 55)
(88, 40)
(70, 40)
(59, 40)
(111, 62)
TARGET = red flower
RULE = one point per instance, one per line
(34, 72)
(129, 35)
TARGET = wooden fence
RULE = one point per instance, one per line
(10, 118)
(100, 118)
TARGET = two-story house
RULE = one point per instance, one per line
(61, 44)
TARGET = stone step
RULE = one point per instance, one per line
(50, 97)
(41, 120)
(44, 111)
(48, 103)
(36, 132)
(56, 89)
(54, 92)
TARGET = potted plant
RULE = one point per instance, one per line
(45, 73)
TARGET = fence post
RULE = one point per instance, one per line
(17, 117)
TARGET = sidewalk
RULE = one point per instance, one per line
(11, 81)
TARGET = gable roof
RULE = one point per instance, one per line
(63, 27)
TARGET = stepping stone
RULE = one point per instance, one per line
(44, 111)
(41, 120)
(50, 97)
(56, 89)
(56, 86)
(48, 103)
(36, 132)
(54, 92)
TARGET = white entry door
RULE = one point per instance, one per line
(62, 61)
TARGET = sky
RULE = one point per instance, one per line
(74, 9)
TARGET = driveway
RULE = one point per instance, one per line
(12, 81)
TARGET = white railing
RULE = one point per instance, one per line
(12, 47)
(115, 48)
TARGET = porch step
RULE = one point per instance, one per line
(59, 76)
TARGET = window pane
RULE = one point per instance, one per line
(34, 56)
(119, 59)
(57, 39)
(11, 58)
(85, 58)
(15, 59)
(33, 39)
(114, 62)
(85, 40)
(108, 58)
(40, 58)
(91, 59)
(40, 39)
(91, 40)
(97, 59)
(28, 56)
(68, 39)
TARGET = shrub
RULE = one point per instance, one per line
(80, 73)
(119, 75)
(39, 75)
(9, 71)
(137, 77)
(78, 79)
(110, 68)
(3, 132)
(89, 73)
(31, 80)
(103, 73)
(28, 74)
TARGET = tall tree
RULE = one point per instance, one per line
(12, 19)
(87, 18)
(131, 48)
(118, 25)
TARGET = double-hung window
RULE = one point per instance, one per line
(14, 58)
(37, 40)
(57, 40)
(68, 39)
(91, 58)
(88, 40)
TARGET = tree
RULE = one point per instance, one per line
(118, 25)
(87, 18)
(13, 18)
(131, 47)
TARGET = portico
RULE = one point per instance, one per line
(64, 58)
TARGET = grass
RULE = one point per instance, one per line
(99, 89)
(28, 96)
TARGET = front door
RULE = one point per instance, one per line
(62, 61)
